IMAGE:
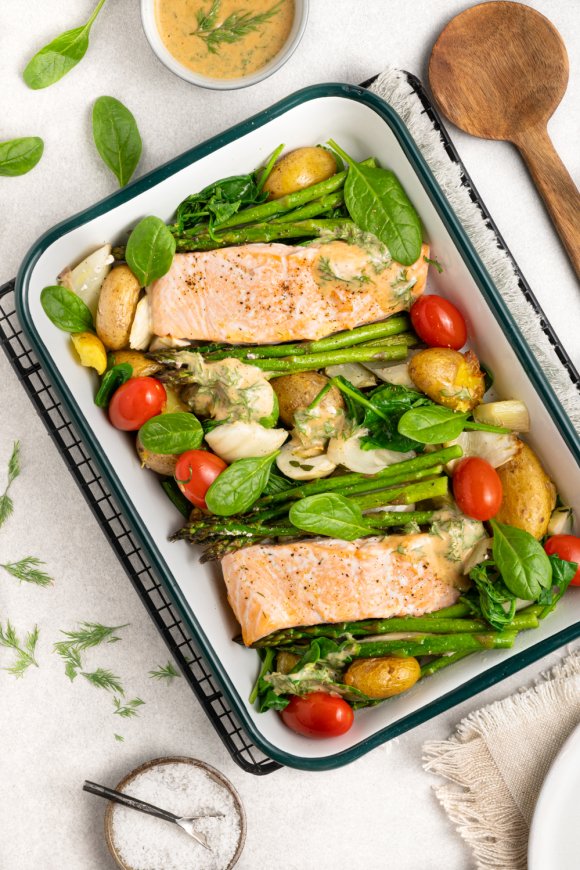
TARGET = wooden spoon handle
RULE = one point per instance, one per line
(556, 187)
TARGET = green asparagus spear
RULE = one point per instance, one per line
(442, 662)
(425, 645)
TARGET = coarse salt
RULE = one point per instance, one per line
(148, 843)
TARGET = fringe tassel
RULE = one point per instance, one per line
(478, 800)
(394, 88)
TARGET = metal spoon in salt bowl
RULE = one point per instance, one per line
(187, 824)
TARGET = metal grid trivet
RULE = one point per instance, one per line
(113, 524)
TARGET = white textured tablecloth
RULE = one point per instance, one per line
(379, 812)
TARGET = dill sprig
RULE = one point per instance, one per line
(327, 273)
(6, 503)
(128, 709)
(119, 738)
(91, 634)
(165, 672)
(26, 570)
(24, 657)
(104, 679)
(233, 28)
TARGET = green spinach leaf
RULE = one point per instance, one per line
(329, 514)
(65, 309)
(277, 483)
(521, 560)
(57, 58)
(150, 250)
(116, 137)
(240, 485)
(378, 204)
(495, 602)
(171, 433)
(432, 424)
(19, 156)
(113, 378)
(218, 202)
(562, 575)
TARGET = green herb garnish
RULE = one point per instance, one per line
(237, 25)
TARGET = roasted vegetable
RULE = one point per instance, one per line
(292, 462)
(141, 365)
(383, 677)
(239, 440)
(511, 413)
(495, 449)
(297, 392)
(299, 169)
(285, 661)
(162, 463)
(117, 306)
(450, 378)
(90, 350)
(87, 278)
(529, 496)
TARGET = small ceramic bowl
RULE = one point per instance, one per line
(211, 772)
(152, 33)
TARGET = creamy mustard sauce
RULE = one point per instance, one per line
(224, 39)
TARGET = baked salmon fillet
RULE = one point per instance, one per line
(277, 586)
(270, 293)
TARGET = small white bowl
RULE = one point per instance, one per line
(152, 33)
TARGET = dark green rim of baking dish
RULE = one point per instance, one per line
(493, 299)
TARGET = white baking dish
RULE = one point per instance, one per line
(363, 125)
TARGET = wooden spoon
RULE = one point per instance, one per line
(498, 71)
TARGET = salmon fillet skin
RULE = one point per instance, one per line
(278, 586)
(270, 293)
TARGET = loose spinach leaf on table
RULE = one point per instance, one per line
(240, 485)
(378, 204)
(521, 560)
(171, 433)
(329, 514)
(19, 156)
(57, 58)
(150, 250)
(65, 309)
(116, 137)
(115, 377)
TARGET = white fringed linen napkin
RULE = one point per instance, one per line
(497, 760)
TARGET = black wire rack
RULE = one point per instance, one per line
(148, 586)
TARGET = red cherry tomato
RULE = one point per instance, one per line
(195, 472)
(566, 547)
(136, 402)
(318, 715)
(438, 322)
(477, 488)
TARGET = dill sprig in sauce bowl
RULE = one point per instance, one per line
(224, 44)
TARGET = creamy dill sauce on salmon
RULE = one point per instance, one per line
(224, 39)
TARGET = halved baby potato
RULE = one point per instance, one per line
(90, 350)
(117, 305)
(141, 365)
(529, 496)
(450, 378)
(299, 169)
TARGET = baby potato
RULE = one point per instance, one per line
(529, 496)
(450, 378)
(162, 463)
(285, 661)
(91, 351)
(384, 677)
(296, 392)
(117, 305)
(142, 367)
(299, 169)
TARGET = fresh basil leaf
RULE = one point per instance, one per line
(432, 424)
(329, 514)
(19, 156)
(150, 250)
(57, 58)
(171, 433)
(521, 560)
(240, 485)
(65, 309)
(563, 573)
(114, 378)
(116, 137)
(378, 204)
